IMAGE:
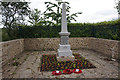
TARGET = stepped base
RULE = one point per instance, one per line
(64, 50)
(66, 58)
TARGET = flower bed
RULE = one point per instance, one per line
(50, 63)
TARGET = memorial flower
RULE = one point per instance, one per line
(56, 73)
(50, 64)
(77, 71)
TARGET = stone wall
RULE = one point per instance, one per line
(53, 43)
(10, 49)
(41, 43)
(105, 46)
(78, 43)
(119, 50)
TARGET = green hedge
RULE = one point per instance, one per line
(106, 30)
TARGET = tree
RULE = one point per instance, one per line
(35, 17)
(118, 7)
(13, 13)
(56, 15)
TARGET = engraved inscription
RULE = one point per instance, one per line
(65, 47)
(64, 40)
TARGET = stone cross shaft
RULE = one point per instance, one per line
(64, 47)
(64, 20)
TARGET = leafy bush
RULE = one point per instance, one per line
(5, 36)
(106, 30)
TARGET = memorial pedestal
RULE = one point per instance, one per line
(64, 52)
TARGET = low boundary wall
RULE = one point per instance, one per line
(12, 48)
(105, 46)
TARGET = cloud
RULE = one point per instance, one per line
(93, 10)
(106, 12)
(103, 15)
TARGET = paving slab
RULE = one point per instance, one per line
(30, 67)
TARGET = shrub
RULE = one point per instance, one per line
(106, 30)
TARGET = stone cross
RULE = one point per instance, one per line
(64, 47)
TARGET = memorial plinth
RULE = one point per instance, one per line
(64, 52)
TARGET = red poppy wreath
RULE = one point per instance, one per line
(77, 71)
(56, 72)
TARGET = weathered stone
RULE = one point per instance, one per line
(29, 68)
(0, 76)
(66, 58)
(64, 40)
(102, 46)
(11, 48)
(64, 47)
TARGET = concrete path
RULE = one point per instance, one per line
(29, 66)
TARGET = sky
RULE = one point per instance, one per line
(92, 10)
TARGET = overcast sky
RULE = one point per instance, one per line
(92, 10)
